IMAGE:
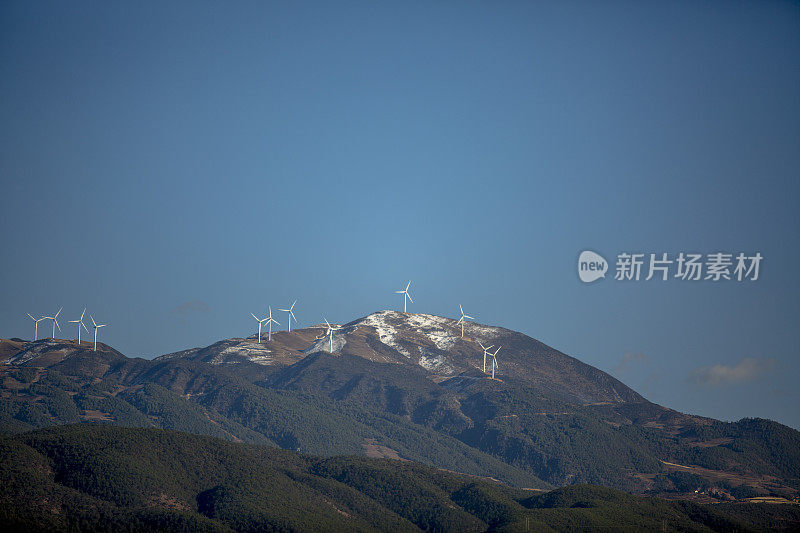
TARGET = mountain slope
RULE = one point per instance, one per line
(101, 477)
(409, 386)
(435, 343)
(208, 399)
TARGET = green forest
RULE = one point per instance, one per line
(102, 477)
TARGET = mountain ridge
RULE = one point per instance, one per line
(433, 347)
(411, 386)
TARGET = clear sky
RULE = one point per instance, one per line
(175, 166)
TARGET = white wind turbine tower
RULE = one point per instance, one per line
(291, 315)
(80, 323)
(494, 360)
(461, 320)
(330, 332)
(55, 322)
(260, 322)
(270, 320)
(36, 327)
(485, 353)
(96, 327)
(405, 295)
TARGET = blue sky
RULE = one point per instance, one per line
(176, 167)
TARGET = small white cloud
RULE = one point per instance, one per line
(627, 360)
(747, 369)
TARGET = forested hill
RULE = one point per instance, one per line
(100, 477)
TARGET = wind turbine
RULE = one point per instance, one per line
(291, 315)
(330, 332)
(80, 323)
(36, 327)
(260, 322)
(494, 360)
(55, 322)
(461, 320)
(405, 295)
(270, 320)
(485, 353)
(96, 327)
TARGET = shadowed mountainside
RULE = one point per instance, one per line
(91, 477)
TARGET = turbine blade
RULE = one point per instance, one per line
(30, 315)
(56, 321)
(93, 322)
(409, 284)
(254, 316)
(410, 298)
(467, 316)
(400, 292)
(59, 311)
(84, 327)
(461, 309)
(84, 312)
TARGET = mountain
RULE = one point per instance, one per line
(96, 477)
(409, 386)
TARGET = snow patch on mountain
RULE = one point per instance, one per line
(34, 350)
(253, 352)
(177, 355)
(323, 344)
(435, 362)
(438, 329)
(386, 330)
(481, 332)
(443, 332)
